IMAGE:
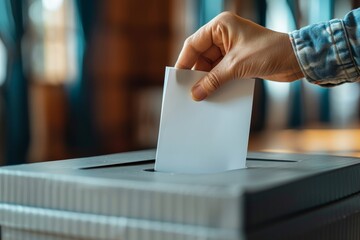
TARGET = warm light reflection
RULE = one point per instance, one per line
(52, 41)
(55, 62)
(324, 141)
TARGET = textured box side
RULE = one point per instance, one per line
(37, 223)
(298, 196)
(19, 234)
(207, 206)
(338, 220)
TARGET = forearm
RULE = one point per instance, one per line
(329, 53)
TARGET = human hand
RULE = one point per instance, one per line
(230, 47)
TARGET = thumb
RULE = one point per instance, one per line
(211, 82)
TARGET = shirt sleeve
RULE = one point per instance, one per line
(329, 52)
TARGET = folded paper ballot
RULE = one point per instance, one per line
(207, 136)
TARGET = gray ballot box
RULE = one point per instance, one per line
(120, 196)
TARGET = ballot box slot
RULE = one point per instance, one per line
(271, 160)
(149, 170)
(125, 164)
(151, 161)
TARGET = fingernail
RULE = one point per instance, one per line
(198, 93)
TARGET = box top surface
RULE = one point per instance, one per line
(264, 170)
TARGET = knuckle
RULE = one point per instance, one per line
(225, 18)
(218, 27)
(226, 15)
(189, 44)
(222, 21)
(188, 41)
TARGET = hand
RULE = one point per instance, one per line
(230, 47)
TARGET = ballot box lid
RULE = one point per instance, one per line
(274, 187)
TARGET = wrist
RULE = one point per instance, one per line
(296, 71)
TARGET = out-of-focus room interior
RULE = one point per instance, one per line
(84, 77)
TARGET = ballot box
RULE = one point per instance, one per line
(120, 196)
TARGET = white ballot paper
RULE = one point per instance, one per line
(203, 137)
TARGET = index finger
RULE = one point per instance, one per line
(194, 46)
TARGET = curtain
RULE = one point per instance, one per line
(15, 88)
(81, 131)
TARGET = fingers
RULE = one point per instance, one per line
(193, 47)
(206, 60)
(203, 64)
(211, 82)
(206, 50)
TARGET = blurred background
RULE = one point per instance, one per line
(84, 77)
